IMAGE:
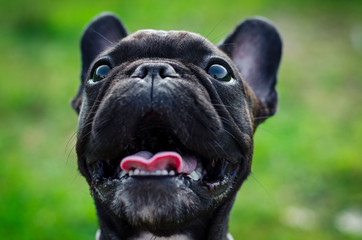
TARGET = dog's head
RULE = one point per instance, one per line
(166, 120)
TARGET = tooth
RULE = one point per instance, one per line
(195, 175)
(122, 174)
(164, 172)
(158, 172)
(136, 172)
(142, 172)
(130, 173)
(172, 172)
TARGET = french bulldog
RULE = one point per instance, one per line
(166, 124)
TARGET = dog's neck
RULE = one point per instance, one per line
(147, 236)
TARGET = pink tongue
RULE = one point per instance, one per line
(160, 161)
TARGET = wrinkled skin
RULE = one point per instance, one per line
(161, 93)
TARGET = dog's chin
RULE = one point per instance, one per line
(161, 206)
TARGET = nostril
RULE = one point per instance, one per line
(168, 71)
(140, 72)
(163, 73)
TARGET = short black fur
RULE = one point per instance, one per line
(158, 96)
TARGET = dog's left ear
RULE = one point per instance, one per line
(103, 32)
(256, 47)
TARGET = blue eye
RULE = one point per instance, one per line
(100, 73)
(219, 72)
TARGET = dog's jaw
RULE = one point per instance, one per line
(211, 226)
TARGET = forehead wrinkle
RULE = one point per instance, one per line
(160, 44)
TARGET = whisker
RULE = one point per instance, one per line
(102, 36)
(252, 175)
(263, 117)
(213, 30)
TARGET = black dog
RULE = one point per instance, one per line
(166, 124)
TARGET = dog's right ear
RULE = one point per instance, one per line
(103, 32)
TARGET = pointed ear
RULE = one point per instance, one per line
(256, 47)
(103, 32)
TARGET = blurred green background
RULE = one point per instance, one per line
(307, 170)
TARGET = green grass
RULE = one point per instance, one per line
(307, 166)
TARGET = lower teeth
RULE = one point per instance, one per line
(195, 175)
(138, 172)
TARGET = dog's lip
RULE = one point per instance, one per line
(212, 173)
(152, 141)
(196, 181)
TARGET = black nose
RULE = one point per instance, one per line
(155, 71)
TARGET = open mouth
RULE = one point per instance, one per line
(156, 152)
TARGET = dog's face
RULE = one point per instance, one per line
(166, 119)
